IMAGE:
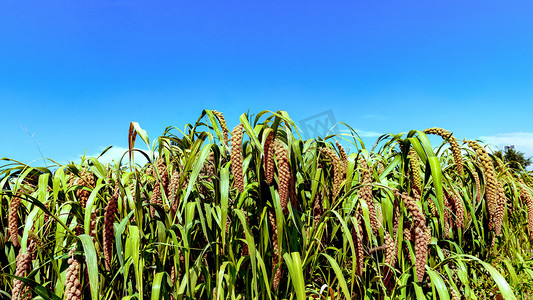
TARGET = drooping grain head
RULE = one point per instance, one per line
(236, 157)
(390, 256)
(491, 184)
(72, 282)
(344, 158)
(421, 249)
(173, 187)
(379, 213)
(414, 210)
(273, 224)
(275, 255)
(457, 206)
(335, 161)
(155, 199)
(447, 209)
(416, 179)
(13, 219)
(526, 197)
(284, 174)
(365, 192)
(21, 291)
(478, 185)
(359, 244)
(317, 206)
(500, 210)
(163, 175)
(86, 180)
(269, 157)
(109, 217)
(223, 125)
(161, 182)
(454, 145)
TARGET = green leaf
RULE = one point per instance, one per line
(91, 259)
(294, 264)
(338, 273)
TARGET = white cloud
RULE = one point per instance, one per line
(523, 141)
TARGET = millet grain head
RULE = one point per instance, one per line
(222, 121)
(458, 207)
(526, 197)
(236, 157)
(491, 184)
(284, 174)
(21, 291)
(86, 180)
(416, 179)
(478, 185)
(500, 210)
(358, 239)
(365, 193)
(336, 162)
(456, 149)
(13, 219)
(72, 283)
(269, 157)
(109, 217)
(410, 203)
(344, 158)
(421, 250)
(275, 255)
(390, 256)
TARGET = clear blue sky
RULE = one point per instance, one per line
(75, 73)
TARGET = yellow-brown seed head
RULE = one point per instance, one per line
(236, 157)
(421, 249)
(284, 173)
(344, 158)
(13, 219)
(456, 149)
(335, 161)
(222, 121)
(365, 192)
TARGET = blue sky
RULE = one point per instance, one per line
(75, 73)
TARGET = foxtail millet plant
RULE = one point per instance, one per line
(219, 243)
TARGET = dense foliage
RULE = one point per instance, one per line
(514, 158)
(263, 214)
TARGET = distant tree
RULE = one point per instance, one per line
(514, 158)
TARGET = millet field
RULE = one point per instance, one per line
(260, 213)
